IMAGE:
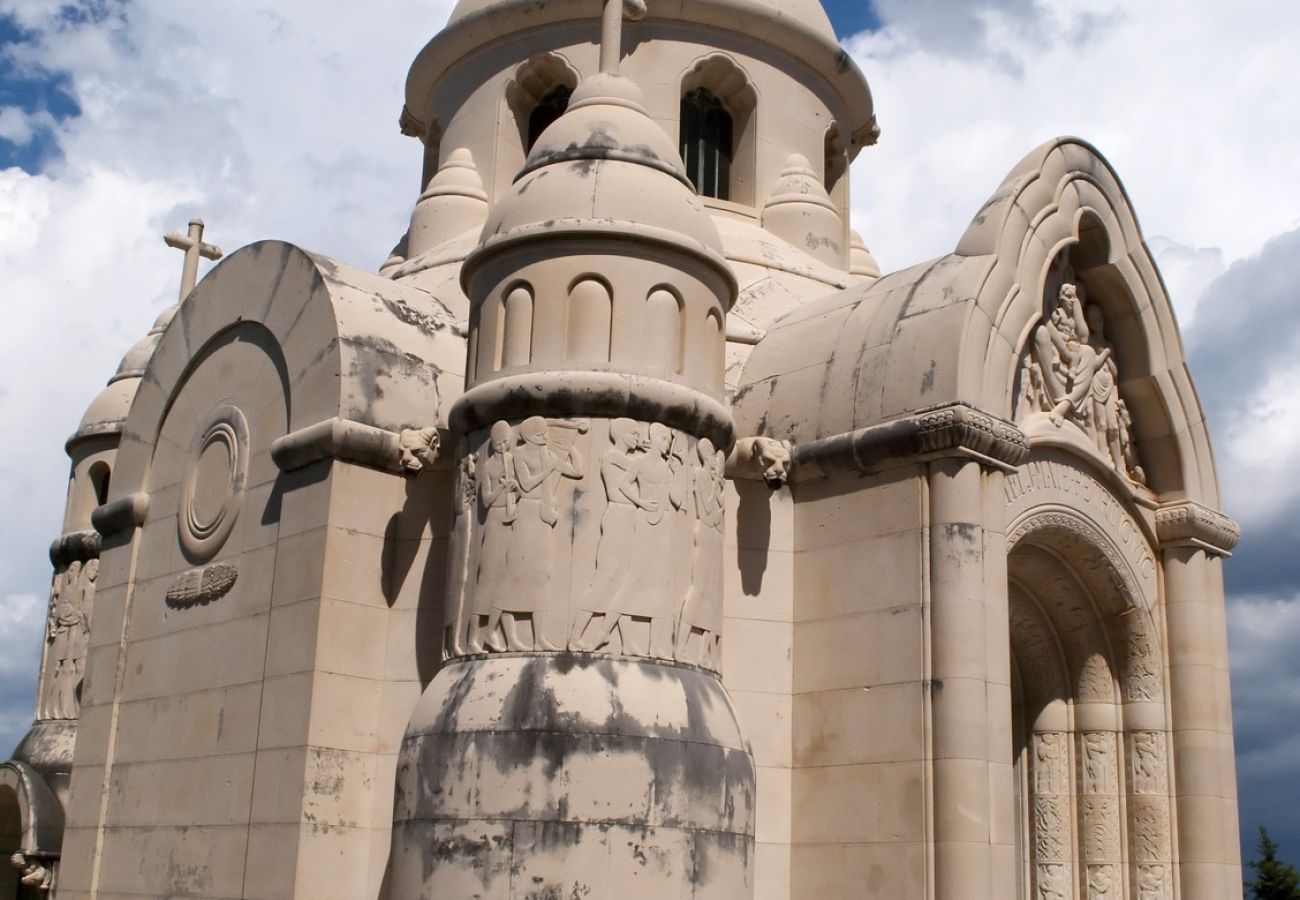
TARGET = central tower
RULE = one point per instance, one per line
(578, 739)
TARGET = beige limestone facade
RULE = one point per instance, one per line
(630, 534)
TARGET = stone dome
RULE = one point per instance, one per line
(107, 412)
(780, 13)
(137, 358)
(592, 171)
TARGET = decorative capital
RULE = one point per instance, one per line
(960, 428)
(1185, 523)
(953, 430)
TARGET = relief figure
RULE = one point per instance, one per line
(525, 582)
(702, 611)
(69, 633)
(498, 498)
(617, 530)
(643, 582)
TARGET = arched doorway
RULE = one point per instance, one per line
(1089, 707)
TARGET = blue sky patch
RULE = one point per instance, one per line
(851, 17)
(32, 90)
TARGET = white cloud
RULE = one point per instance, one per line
(1194, 105)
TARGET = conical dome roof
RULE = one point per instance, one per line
(604, 169)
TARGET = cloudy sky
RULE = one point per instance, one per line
(121, 119)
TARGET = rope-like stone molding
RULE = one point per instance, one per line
(954, 430)
(1186, 523)
(408, 452)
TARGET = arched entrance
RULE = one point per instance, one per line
(31, 831)
(1091, 734)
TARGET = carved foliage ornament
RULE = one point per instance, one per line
(1069, 375)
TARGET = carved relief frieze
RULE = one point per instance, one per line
(1103, 882)
(1099, 763)
(1149, 769)
(1069, 376)
(1154, 883)
(67, 634)
(619, 496)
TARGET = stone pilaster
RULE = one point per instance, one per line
(1194, 540)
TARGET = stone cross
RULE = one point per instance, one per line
(611, 31)
(194, 247)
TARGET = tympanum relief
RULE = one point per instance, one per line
(617, 498)
(1070, 376)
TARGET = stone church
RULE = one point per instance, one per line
(629, 534)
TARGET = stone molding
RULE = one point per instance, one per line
(594, 395)
(953, 430)
(350, 441)
(1186, 523)
(75, 546)
(122, 514)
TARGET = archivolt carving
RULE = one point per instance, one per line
(1131, 623)
(1103, 882)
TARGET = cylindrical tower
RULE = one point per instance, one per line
(578, 741)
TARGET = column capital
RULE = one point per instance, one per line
(1186, 523)
(952, 430)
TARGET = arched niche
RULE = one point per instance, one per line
(721, 78)
(536, 96)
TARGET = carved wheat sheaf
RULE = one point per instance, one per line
(198, 587)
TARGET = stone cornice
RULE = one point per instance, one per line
(954, 430)
(1185, 523)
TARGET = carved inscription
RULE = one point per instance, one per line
(1040, 476)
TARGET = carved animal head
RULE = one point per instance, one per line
(419, 450)
(773, 459)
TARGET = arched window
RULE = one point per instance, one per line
(718, 129)
(707, 136)
(537, 96)
(99, 474)
(547, 110)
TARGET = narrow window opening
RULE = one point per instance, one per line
(707, 135)
(552, 105)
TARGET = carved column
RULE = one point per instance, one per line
(1052, 837)
(578, 740)
(1099, 819)
(1150, 847)
(1194, 538)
